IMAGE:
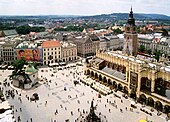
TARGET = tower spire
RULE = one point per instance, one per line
(131, 20)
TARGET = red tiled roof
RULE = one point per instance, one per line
(49, 44)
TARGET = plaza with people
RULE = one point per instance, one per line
(59, 98)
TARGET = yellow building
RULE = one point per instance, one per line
(142, 79)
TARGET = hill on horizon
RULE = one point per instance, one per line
(116, 16)
(137, 16)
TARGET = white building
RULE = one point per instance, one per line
(155, 42)
(110, 43)
(69, 51)
(51, 51)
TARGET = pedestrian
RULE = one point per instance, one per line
(71, 113)
(19, 119)
(56, 111)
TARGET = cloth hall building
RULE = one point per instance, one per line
(143, 79)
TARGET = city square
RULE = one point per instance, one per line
(60, 99)
(84, 61)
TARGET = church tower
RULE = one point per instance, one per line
(130, 36)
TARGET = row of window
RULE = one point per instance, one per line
(8, 50)
(69, 53)
(8, 59)
(46, 58)
(8, 53)
(51, 53)
(51, 49)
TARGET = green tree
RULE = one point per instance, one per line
(117, 31)
(18, 66)
(142, 48)
(157, 55)
(149, 51)
(27, 29)
(165, 32)
(23, 30)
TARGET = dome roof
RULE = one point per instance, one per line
(30, 69)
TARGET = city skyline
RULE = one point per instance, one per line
(80, 7)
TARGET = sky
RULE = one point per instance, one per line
(82, 7)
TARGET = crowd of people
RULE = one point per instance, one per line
(72, 74)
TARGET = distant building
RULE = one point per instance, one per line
(122, 28)
(69, 51)
(38, 35)
(51, 51)
(88, 30)
(155, 43)
(110, 43)
(8, 33)
(145, 40)
(8, 52)
(86, 45)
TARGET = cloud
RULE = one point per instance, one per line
(81, 7)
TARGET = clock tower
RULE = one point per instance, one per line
(130, 36)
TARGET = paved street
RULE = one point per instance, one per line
(57, 104)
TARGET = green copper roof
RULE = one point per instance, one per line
(30, 69)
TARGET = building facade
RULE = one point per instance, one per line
(51, 52)
(154, 43)
(86, 45)
(69, 52)
(110, 43)
(8, 52)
